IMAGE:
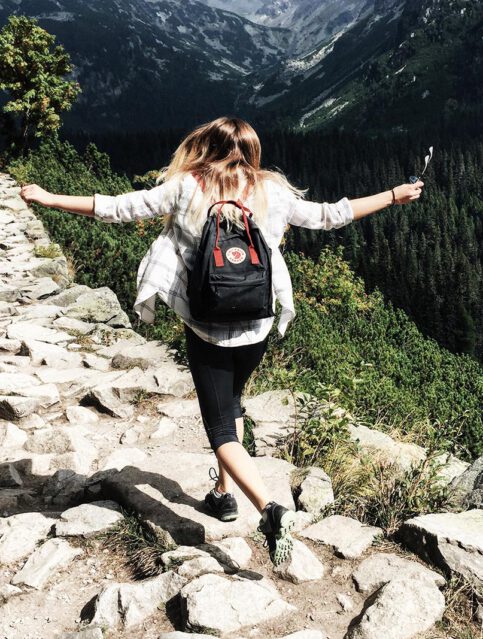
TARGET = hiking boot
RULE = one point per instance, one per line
(276, 523)
(224, 506)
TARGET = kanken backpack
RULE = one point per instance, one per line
(231, 278)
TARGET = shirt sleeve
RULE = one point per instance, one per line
(128, 207)
(319, 215)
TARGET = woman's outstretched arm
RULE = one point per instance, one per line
(404, 194)
(127, 207)
(84, 205)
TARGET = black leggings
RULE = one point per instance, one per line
(220, 374)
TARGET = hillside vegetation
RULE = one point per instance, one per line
(383, 368)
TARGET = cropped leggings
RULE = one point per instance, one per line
(219, 375)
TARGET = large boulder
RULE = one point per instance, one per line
(45, 562)
(401, 609)
(467, 488)
(129, 604)
(451, 541)
(347, 537)
(239, 603)
(98, 305)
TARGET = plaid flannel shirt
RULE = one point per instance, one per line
(163, 270)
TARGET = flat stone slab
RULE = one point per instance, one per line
(381, 567)
(452, 541)
(169, 491)
(129, 604)
(239, 603)
(19, 535)
(347, 537)
(45, 562)
(88, 519)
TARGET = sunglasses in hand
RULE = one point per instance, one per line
(414, 178)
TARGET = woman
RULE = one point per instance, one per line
(220, 160)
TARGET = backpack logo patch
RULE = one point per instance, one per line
(235, 255)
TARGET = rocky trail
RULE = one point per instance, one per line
(98, 425)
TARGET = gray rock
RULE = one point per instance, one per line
(69, 295)
(51, 355)
(46, 394)
(15, 382)
(273, 414)
(175, 490)
(87, 633)
(199, 566)
(180, 408)
(10, 345)
(451, 468)
(144, 356)
(97, 305)
(233, 551)
(130, 604)
(88, 519)
(43, 287)
(105, 399)
(14, 407)
(165, 428)
(401, 609)
(379, 568)
(45, 562)
(129, 384)
(7, 592)
(387, 449)
(243, 602)
(54, 267)
(227, 555)
(59, 440)
(11, 436)
(123, 457)
(9, 477)
(345, 602)
(81, 415)
(302, 566)
(306, 634)
(452, 541)
(19, 535)
(63, 488)
(173, 380)
(467, 489)
(25, 331)
(315, 491)
(346, 536)
(71, 324)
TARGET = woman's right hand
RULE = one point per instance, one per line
(406, 193)
(34, 193)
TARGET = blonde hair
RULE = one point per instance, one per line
(221, 152)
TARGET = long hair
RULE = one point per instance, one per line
(226, 154)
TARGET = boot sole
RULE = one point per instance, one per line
(283, 539)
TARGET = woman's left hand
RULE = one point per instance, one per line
(34, 193)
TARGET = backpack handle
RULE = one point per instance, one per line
(217, 250)
(237, 203)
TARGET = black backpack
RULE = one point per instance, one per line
(231, 278)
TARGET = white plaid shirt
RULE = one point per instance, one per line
(163, 270)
